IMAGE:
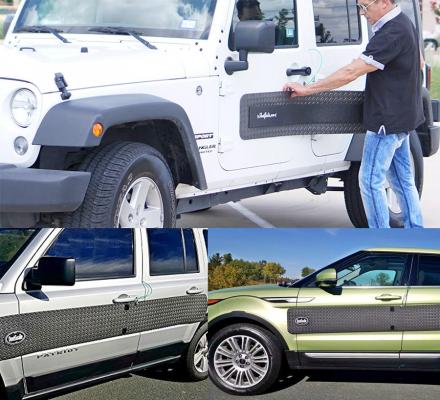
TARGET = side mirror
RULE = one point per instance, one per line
(51, 271)
(326, 278)
(7, 23)
(251, 37)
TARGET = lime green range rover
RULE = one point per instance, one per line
(375, 309)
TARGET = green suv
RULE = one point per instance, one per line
(375, 309)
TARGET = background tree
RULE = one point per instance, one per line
(306, 271)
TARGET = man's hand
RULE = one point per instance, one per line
(296, 90)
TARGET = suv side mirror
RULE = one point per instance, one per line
(251, 37)
(326, 278)
(7, 23)
(51, 271)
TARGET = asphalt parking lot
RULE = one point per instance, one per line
(300, 208)
(348, 385)
(151, 384)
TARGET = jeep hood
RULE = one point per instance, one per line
(255, 291)
(102, 65)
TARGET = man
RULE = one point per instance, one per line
(249, 10)
(392, 109)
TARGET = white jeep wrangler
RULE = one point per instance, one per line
(81, 305)
(130, 114)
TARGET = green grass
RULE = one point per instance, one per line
(435, 83)
(2, 18)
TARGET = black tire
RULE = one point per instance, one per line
(352, 194)
(266, 339)
(187, 362)
(114, 167)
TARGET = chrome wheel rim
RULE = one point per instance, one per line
(201, 355)
(241, 361)
(142, 206)
(393, 201)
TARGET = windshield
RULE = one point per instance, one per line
(12, 242)
(189, 19)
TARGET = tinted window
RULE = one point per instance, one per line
(281, 12)
(408, 8)
(99, 253)
(172, 251)
(429, 271)
(336, 22)
(374, 271)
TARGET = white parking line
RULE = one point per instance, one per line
(250, 215)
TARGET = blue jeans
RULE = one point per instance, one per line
(388, 156)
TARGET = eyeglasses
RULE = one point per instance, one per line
(364, 8)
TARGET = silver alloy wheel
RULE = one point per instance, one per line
(201, 355)
(241, 361)
(142, 206)
(393, 202)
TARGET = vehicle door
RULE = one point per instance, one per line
(252, 132)
(353, 322)
(78, 332)
(175, 303)
(341, 35)
(420, 318)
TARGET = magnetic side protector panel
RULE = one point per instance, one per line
(339, 319)
(53, 329)
(264, 115)
(364, 319)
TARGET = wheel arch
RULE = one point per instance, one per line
(243, 317)
(162, 124)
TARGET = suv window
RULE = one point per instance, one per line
(374, 271)
(281, 12)
(337, 22)
(12, 243)
(172, 252)
(99, 253)
(428, 273)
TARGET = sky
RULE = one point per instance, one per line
(315, 248)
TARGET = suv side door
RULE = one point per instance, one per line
(420, 318)
(175, 303)
(80, 332)
(353, 323)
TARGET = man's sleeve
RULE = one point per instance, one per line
(383, 48)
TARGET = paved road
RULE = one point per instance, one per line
(299, 208)
(153, 384)
(348, 385)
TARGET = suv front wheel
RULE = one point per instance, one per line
(244, 359)
(352, 194)
(131, 186)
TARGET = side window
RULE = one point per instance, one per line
(429, 271)
(99, 253)
(337, 22)
(172, 252)
(281, 12)
(408, 8)
(374, 271)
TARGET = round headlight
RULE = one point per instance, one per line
(23, 107)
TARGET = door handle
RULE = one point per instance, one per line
(305, 71)
(194, 290)
(124, 299)
(388, 297)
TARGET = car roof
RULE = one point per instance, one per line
(404, 250)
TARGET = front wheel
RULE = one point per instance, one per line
(131, 186)
(244, 359)
(352, 193)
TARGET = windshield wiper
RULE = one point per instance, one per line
(115, 30)
(44, 29)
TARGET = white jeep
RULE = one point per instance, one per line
(130, 114)
(81, 305)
